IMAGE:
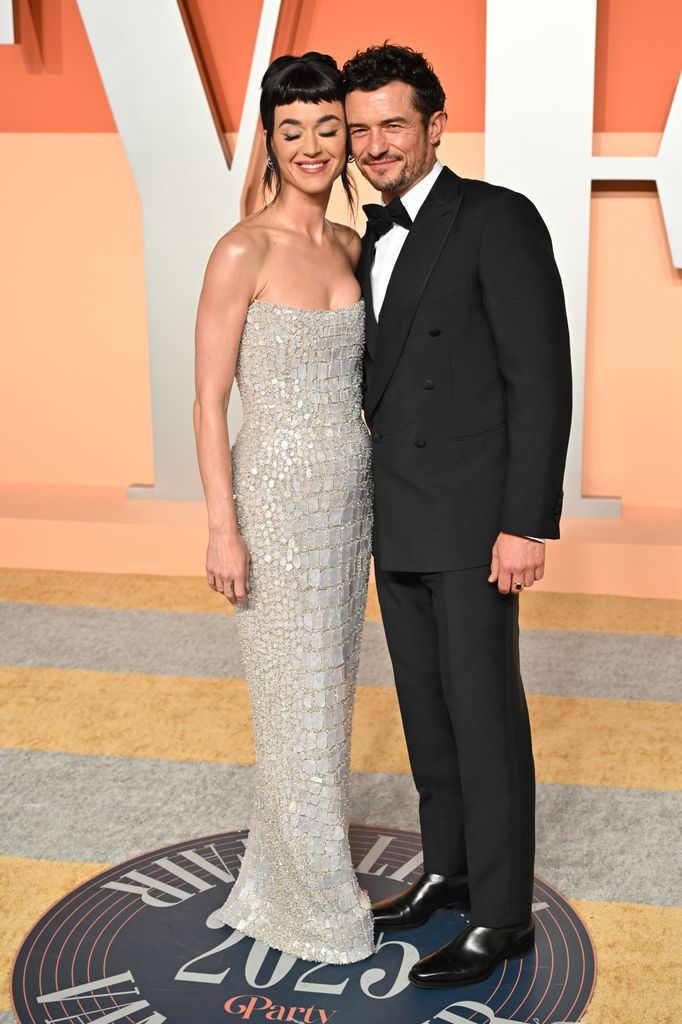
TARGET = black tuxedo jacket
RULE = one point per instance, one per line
(467, 380)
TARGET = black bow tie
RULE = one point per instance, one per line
(381, 219)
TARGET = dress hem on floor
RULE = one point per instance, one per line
(293, 949)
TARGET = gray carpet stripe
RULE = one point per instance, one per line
(593, 843)
(111, 640)
(609, 665)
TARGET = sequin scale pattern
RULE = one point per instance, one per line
(303, 496)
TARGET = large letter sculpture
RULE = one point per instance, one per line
(189, 197)
(539, 123)
(7, 37)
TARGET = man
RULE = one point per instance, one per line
(468, 399)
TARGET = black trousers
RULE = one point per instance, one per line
(454, 644)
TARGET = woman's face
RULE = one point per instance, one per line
(309, 142)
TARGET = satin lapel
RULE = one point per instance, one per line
(413, 268)
(364, 276)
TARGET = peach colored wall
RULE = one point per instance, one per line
(74, 383)
(633, 412)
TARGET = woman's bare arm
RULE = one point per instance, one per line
(229, 284)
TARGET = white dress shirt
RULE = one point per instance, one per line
(388, 246)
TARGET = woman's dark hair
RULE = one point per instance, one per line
(377, 66)
(312, 78)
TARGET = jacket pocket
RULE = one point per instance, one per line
(477, 433)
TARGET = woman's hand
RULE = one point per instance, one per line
(227, 565)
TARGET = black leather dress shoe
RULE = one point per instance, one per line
(414, 905)
(472, 955)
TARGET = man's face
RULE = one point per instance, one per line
(392, 145)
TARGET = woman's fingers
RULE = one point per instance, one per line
(227, 569)
(239, 588)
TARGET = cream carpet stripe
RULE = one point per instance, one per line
(581, 741)
(539, 610)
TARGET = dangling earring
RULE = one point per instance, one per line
(270, 164)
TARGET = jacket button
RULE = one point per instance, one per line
(428, 384)
(420, 443)
(434, 332)
(376, 436)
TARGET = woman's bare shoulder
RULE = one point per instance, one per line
(345, 233)
(247, 240)
(349, 239)
(236, 261)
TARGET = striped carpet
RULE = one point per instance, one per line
(125, 726)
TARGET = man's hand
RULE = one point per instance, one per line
(516, 560)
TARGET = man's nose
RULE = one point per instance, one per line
(377, 144)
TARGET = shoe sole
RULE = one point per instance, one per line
(459, 905)
(520, 949)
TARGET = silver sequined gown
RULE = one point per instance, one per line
(302, 483)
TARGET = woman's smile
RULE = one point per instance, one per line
(312, 166)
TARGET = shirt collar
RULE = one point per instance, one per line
(412, 199)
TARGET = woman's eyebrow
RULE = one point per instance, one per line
(299, 124)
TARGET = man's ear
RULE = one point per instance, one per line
(437, 123)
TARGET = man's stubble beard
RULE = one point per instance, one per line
(402, 181)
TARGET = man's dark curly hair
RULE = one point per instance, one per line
(370, 69)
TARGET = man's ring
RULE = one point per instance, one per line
(518, 586)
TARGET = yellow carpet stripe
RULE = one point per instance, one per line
(600, 613)
(638, 962)
(578, 741)
(539, 610)
(111, 590)
(27, 889)
(638, 946)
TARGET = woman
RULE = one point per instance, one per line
(290, 518)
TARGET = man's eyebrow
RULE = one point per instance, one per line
(320, 120)
(387, 120)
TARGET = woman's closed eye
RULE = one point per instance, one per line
(323, 135)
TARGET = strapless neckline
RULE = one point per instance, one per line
(303, 309)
